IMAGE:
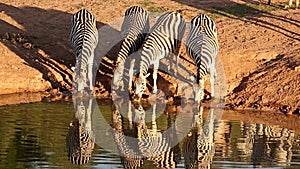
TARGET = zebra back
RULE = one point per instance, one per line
(202, 42)
(84, 33)
(165, 35)
(134, 29)
(136, 22)
(163, 39)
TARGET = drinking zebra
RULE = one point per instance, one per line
(163, 40)
(84, 39)
(202, 46)
(134, 29)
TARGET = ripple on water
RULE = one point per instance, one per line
(34, 136)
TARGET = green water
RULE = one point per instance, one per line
(34, 136)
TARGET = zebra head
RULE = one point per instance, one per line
(140, 85)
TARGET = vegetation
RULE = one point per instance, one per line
(152, 7)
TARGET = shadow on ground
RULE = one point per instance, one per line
(41, 39)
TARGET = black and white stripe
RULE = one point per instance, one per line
(128, 149)
(80, 139)
(84, 39)
(202, 46)
(155, 145)
(134, 29)
(163, 40)
(198, 146)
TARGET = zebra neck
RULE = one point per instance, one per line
(143, 70)
(127, 47)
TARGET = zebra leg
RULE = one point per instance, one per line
(81, 80)
(177, 57)
(212, 79)
(90, 76)
(129, 114)
(131, 74)
(176, 68)
(156, 65)
(121, 82)
(199, 120)
(118, 77)
(201, 89)
(153, 118)
(89, 115)
(195, 88)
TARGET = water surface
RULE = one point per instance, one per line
(34, 136)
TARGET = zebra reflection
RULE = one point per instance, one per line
(141, 142)
(80, 138)
(128, 151)
(198, 146)
(273, 144)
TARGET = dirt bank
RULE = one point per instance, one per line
(259, 48)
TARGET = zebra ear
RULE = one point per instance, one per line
(147, 75)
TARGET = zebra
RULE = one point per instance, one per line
(202, 46)
(163, 40)
(80, 139)
(84, 39)
(134, 29)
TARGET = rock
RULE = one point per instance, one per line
(27, 45)
(6, 36)
(285, 109)
(297, 111)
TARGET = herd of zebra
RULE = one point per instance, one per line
(162, 40)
